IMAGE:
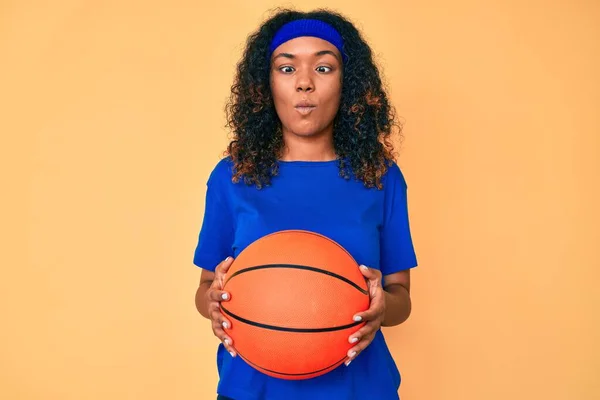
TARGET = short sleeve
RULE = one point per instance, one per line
(397, 250)
(216, 233)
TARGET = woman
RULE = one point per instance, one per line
(311, 150)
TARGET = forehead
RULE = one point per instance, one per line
(305, 46)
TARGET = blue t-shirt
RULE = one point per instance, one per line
(371, 224)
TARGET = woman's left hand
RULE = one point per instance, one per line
(373, 316)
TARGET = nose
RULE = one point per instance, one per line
(304, 83)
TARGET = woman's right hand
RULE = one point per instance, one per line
(214, 296)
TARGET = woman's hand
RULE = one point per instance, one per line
(214, 296)
(373, 316)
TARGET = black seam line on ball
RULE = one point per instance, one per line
(304, 267)
(286, 329)
(287, 373)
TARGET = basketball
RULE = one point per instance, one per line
(293, 298)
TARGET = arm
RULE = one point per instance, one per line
(389, 286)
(390, 305)
(209, 295)
(397, 298)
(206, 280)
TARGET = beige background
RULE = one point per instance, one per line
(112, 117)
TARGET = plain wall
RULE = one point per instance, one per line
(113, 117)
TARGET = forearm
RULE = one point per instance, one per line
(201, 303)
(397, 305)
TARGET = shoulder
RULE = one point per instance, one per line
(394, 176)
(222, 172)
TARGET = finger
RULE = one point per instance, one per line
(219, 295)
(374, 311)
(360, 346)
(218, 317)
(215, 307)
(221, 334)
(370, 273)
(224, 338)
(223, 267)
(368, 329)
(368, 315)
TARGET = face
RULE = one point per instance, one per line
(306, 84)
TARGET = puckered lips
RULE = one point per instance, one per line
(305, 107)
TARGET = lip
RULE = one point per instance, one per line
(305, 110)
(305, 103)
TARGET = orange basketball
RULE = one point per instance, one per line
(293, 296)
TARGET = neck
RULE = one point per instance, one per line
(302, 148)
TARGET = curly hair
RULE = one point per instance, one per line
(363, 125)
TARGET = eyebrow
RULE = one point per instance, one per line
(317, 54)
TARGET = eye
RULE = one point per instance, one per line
(323, 66)
(287, 66)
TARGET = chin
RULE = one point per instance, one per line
(306, 131)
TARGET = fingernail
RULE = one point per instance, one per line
(232, 353)
(225, 325)
(357, 318)
(354, 340)
(352, 353)
(348, 362)
(227, 342)
(228, 258)
(225, 296)
(364, 267)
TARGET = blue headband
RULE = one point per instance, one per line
(307, 27)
